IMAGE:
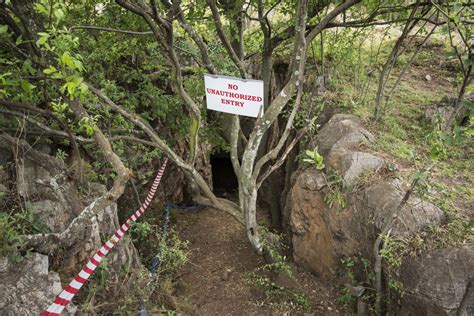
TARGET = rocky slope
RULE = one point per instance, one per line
(434, 283)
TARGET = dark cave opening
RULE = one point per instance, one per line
(224, 179)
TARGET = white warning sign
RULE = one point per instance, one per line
(234, 95)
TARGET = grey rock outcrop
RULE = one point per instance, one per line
(355, 164)
(55, 202)
(342, 131)
(337, 142)
(438, 282)
(439, 113)
(381, 200)
(28, 287)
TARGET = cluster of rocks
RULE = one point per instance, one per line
(435, 283)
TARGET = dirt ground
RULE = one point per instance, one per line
(213, 282)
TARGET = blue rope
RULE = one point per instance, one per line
(155, 263)
(143, 311)
(167, 221)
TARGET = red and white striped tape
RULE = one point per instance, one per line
(75, 285)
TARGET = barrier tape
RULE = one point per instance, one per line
(65, 297)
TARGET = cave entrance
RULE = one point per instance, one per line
(224, 179)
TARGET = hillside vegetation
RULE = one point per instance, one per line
(96, 95)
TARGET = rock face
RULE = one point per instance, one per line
(28, 287)
(55, 201)
(43, 180)
(382, 198)
(436, 282)
(311, 239)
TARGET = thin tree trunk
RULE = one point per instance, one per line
(391, 60)
(390, 94)
(379, 241)
(459, 101)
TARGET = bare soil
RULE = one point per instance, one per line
(214, 281)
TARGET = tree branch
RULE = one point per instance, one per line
(283, 157)
(224, 40)
(198, 40)
(107, 29)
(329, 17)
(47, 113)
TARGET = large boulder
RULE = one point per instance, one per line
(342, 132)
(438, 282)
(381, 199)
(311, 239)
(338, 141)
(321, 236)
(28, 287)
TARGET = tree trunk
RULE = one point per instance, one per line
(459, 101)
(250, 207)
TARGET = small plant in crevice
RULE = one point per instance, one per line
(12, 245)
(335, 197)
(313, 157)
(391, 253)
(140, 230)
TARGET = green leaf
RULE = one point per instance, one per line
(3, 29)
(83, 88)
(59, 14)
(49, 70)
(19, 40)
(471, 224)
(27, 67)
(43, 38)
(41, 8)
(78, 65)
(66, 60)
(57, 75)
(26, 86)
